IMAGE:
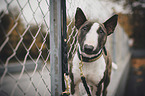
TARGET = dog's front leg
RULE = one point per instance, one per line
(106, 83)
(74, 86)
(74, 90)
(99, 90)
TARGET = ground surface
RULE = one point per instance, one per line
(136, 80)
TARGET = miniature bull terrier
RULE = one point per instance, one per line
(91, 51)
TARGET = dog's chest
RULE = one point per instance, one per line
(93, 71)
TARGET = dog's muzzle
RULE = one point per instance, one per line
(88, 58)
(88, 48)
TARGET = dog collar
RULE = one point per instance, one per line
(89, 59)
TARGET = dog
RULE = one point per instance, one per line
(91, 51)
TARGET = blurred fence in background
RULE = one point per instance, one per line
(26, 27)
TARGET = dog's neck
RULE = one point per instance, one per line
(88, 58)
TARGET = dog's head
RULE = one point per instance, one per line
(92, 35)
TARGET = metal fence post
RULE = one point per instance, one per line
(64, 44)
(55, 47)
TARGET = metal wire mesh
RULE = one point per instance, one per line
(24, 48)
(71, 29)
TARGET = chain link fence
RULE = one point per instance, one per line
(24, 48)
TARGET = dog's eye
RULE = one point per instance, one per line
(84, 28)
(101, 31)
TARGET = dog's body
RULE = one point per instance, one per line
(97, 63)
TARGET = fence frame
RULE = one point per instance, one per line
(55, 47)
(57, 38)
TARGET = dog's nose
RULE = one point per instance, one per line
(88, 48)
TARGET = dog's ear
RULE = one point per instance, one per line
(79, 18)
(111, 23)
